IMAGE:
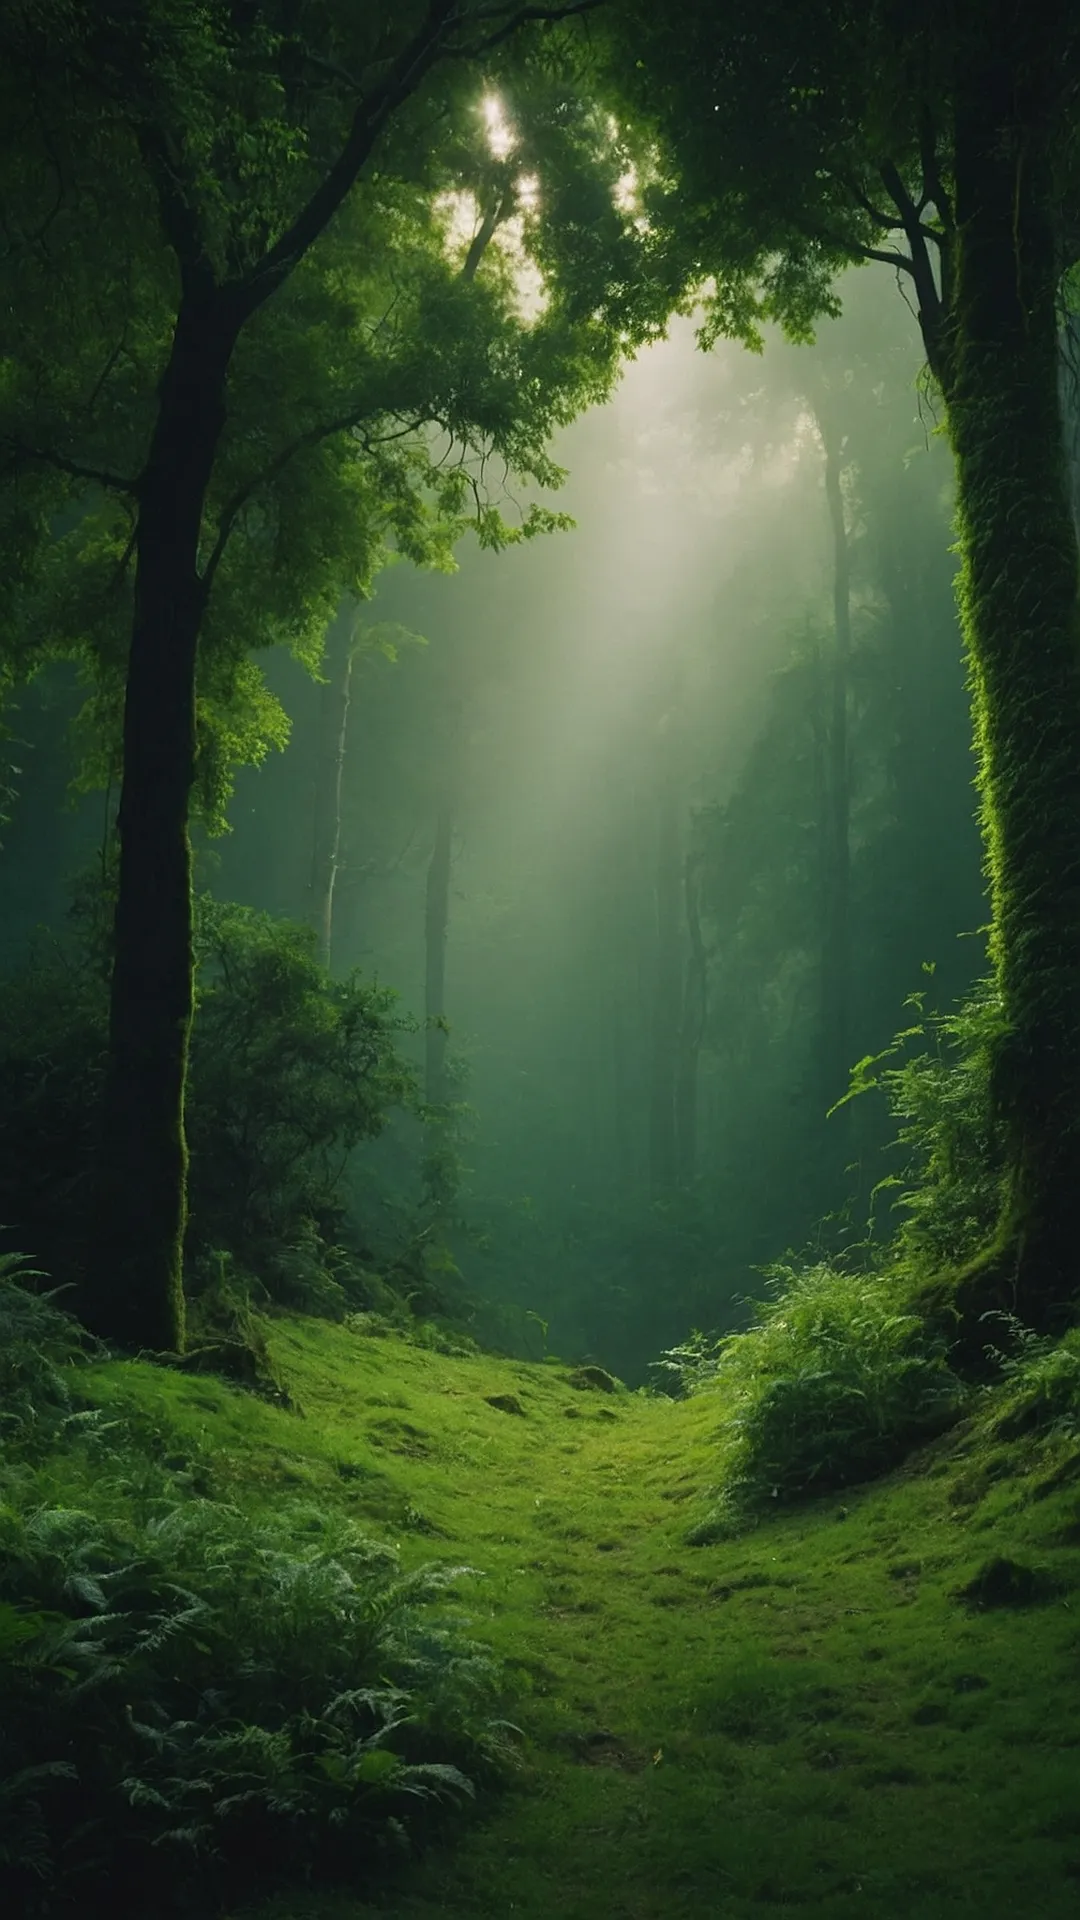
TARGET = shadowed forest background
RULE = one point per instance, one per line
(679, 907)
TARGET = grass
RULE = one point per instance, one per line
(865, 1706)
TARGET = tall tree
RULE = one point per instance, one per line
(668, 982)
(334, 704)
(836, 980)
(254, 206)
(938, 141)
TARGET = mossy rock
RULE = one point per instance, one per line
(592, 1379)
(506, 1403)
(245, 1363)
(1001, 1582)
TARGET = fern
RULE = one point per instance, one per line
(199, 1690)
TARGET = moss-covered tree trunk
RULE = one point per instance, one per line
(134, 1285)
(1019, 590)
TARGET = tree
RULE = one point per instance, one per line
(242, 359)
(938, 141)
(330, 766)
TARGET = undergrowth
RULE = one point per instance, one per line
(192, 1697)
(833, 1385)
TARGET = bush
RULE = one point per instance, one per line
(290, 1072)
(192, 1700)
(833, 1385)
(38, 1347)
(948, 1192)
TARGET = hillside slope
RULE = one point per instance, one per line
(869, 1706)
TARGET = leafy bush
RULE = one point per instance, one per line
(833, 1385)
(191, 1699)
(290, 1072)
(948, 1191)
(38, 1346)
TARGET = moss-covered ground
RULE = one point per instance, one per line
(810, 1715)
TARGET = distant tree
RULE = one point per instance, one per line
(941, 142)
(242, 357)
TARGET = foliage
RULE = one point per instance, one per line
(192, 1698)
(941, 1099)
(376, 403)
(290, 1073)
(39, 1345)
(1042, 1383)
(834, 1384)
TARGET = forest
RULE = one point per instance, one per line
(539, 959)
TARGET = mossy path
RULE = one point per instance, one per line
(809, 1716)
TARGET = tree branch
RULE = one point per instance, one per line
(179, 222)
(372, 113)
(312, 438)
(931, 310)
(485, 232)
(515, 18)
(48, 457)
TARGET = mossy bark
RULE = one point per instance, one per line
(1019, 604)
(134, 1286)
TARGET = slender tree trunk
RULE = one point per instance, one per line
(134, 1285)
(333, 733)
(1019, 598)
(692, 1027)
(436, 923)
(836, 918)
(663, 1143)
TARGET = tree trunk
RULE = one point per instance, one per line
(333, 732)
(436, 922)
(663, 1144)
(1019, 600)
(134, 1285)
(836, 923)
(692, 1027)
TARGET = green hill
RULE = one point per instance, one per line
(866, 1706)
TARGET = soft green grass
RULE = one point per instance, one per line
(809, 1715)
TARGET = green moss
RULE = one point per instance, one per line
(804, 1715)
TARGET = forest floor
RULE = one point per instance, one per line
(808, 1716)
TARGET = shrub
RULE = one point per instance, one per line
(833, 1385)
(290, 1072)
(191, 1699)
(941, 1097)
(38, 1347)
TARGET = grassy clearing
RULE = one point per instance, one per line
(809, 1715)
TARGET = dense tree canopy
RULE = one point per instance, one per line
(263, 328)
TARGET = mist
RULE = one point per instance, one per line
(572, 699)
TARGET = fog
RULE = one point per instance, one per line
(697, 842)
(573, 700)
